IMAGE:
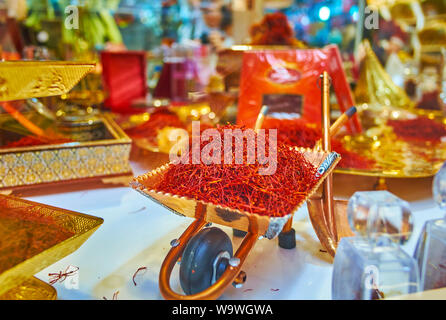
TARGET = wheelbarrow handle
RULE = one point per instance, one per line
(335, 127)
(260, 118)
(226, 279)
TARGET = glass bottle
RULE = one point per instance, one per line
(372, 265)
(172, 83)
(430, 252)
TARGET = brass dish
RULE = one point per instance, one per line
(31, 289)
(82, 225)
(395, 158)
(35, 79)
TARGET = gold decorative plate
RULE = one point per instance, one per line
(31, 289)
(82, 225)
(241, 220)
(394, 157)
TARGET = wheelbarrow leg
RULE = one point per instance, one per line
(231, 274)
(287, 238)
(238, 233)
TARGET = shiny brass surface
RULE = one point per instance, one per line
(315, 207)
(394, 157)
(324, 219)
(31, 289)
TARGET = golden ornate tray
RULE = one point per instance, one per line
(396, 158)
(35, 79)
(82, 225)
(31, 289)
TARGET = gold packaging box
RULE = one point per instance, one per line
(103, 153)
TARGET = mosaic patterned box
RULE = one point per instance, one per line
(105, 155)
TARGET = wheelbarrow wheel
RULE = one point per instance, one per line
(204, 260)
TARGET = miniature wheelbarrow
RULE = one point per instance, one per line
(208, 265)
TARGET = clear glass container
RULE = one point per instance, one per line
(430, 252)
(364, 271)
(372, 265)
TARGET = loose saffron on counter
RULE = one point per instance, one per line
(62, 276)
(136, 273)
(240, 186)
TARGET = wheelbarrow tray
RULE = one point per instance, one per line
(270, 227)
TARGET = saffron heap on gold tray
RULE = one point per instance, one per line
(295, 132)
(25, 233)
(158, 120)
(298, 133)
(240, 186)
(30, 141)
(419, 129)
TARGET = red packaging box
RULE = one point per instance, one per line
(124, 77)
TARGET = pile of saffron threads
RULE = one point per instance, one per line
(158, 120)
(299, 133)
(350, 159)
(295, 132)
(24, 232)
(419, 129)
(240, 186)
(30, 140)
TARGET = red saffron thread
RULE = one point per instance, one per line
(115, 296)
(139, 210)
(137, 271)
(419, 129)
(61, 276)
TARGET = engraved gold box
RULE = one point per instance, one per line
(103, 152)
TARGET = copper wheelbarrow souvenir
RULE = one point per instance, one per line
(208, 265)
